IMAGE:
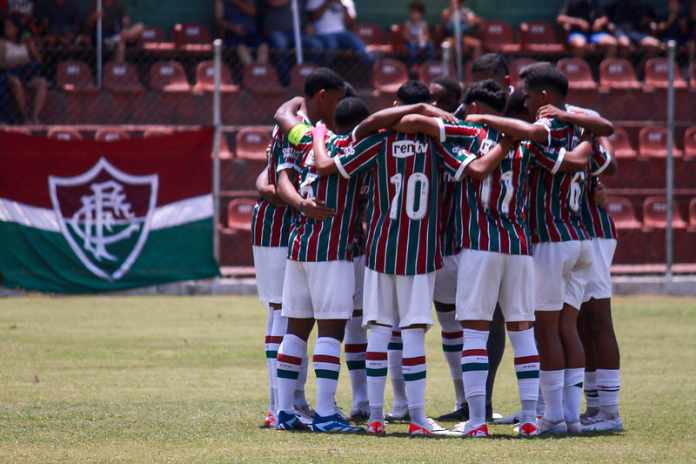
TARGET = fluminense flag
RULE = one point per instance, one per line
(85, 216)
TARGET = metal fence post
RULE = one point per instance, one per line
(297, 31)
(457, 18)
(671, 48)
(100, 39)
(217, 124)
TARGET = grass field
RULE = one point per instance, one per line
(182, 380)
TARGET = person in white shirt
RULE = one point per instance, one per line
(332, 20)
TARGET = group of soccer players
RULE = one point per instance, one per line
(487, 202)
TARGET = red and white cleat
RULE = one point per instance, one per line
(376, 428)
(526, 430)
(269, 422)
(469, 430)
(429, 429)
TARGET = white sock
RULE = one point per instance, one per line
(327, 364)
(475, 373)
(376, 368)
(355, 345)
(452, 345)
(527, 370)
(414, 368)
(608, 387)
(541, 406)
(551, 383)
(395, 354)
(273, 341)
(572, 393)
(289, 363)
(590, 389)
(300, 398)
(271, 350)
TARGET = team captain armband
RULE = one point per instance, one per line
(297, 132)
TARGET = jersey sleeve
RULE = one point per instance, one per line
(454, 158)
(297, 142)
(458, 131)
(359, 157)
(601, 160)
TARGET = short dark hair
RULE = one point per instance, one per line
(544, 76)
(412, 92)
(451, 86)
(350, 90)
(350, 112)
(489, 92)
(417, 6)
(322, 79)
(516, 104)
(490, 63)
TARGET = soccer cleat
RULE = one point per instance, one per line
(574, 427)
(526, 430)
(334, 424)
(359, 416)
(469, 430)
(547, 427)
(587, 416)
(290, 422)
(509, 420)
(429, 429)
(376, 428)
(397, 419)
(459, 415)
(603, 424)
(269, 421)
(306, 414)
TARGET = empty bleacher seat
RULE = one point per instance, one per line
(157, 132)
(516, 67)
(75, 76)
(122, 78)
(261, 79)
(252, 142)
(298, 74)
(540, 38)
(64, 134)
(690, 143)
(192, 37)
(693, 77)
(154, 40)
(578, 73)
(692, 215)
(111, 134)
(617, 74)
(239, 213)
(655, 214)
(169, 76)
(657, 75)
(622, 211)
(621, 144)
(205, 78)
(388, 75)
(498, 37)
(434, 69)
(374, 37)
(653, 143)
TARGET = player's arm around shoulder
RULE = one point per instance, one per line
(481, 167)
(538, 132)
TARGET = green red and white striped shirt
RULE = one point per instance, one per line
(404, 207)
(597, 220)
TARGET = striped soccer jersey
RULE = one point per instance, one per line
(331, 239)
(597, 220)
(270, 225)
(404, 209)
(556, 197)
(359, 235)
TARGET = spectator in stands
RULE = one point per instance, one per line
(59, 21)
(22, 64)
(674, 25)
(279, 30)
(630, 21)
(417, 34)
(586, 25)
(237, 20)
(332, 20)
(117, 29)
(469, 22)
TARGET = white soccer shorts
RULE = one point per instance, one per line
(322, 290)
(398, 301)
(359, 269)
(561, 272)
(270, 272)
(486, 278)
(446, 281)
(598, 286)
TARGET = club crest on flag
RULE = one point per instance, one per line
(105, 215)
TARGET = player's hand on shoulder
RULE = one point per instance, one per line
(551, 112)
(435, 112)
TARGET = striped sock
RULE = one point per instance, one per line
(395, 351)
(280, 325)
(608, 388)
(591, 394)
(289, 363)
(452, 345)
(475, 373)
(376, 364)
(271, 349)
(572, 393)
(300, 398)
(551, 383)
(355, 347)
(327, 364)
(414, 370)
(527, 370)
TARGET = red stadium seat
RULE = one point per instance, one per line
(388, 75)
(498, 37)
(653, 143)
(692, 215)
(621, 144)
(111, 134)
(169, 76)
(397, 39)
(578, 73)
(374, 37)
(192, 37)
(617, 74)
(539, 37)
(239, 213)
(516, 67)
(693, 77)
(434, 69)
(252, 142)
(298, 74)
(690, 143)
(656, 75)
(655, 214)
(205, 78)
(122, 78)
(64, 134)
(157, 132)
(154, 40)
(622, 211)
(75, 77)
(262, 79)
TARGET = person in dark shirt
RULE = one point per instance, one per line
(59, 21)
(630, 20)
(117, 29)
(674, 25)
(236, 19)
(587, 25)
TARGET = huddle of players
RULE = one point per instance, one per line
(499, 212)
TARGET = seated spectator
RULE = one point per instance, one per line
(279, 30)
(58, 21)
(469, 22)
(630, 21)
(237, 20)
(22, 64)
(586, 25)
(417, 35)
(117, 30)
(674, 25)
(332, 20)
